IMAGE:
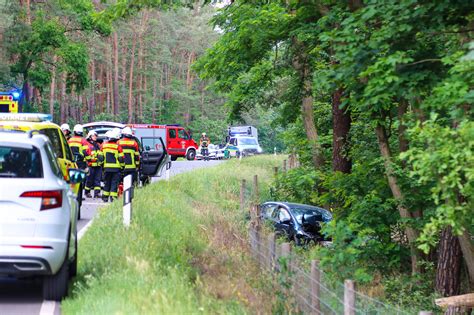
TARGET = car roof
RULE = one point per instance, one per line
(22, 139)
(27, 125)
(103, 123)
(296, 205)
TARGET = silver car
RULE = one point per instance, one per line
(38, 213)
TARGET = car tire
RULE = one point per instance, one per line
(191, 155)
(174, 158)
(55, 287)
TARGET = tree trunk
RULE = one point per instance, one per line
(448, 270)
(130, 81)
(341, 127)
(465, 241)
(63, 103)
(92, 99)
(153, 105)
(52, 88)
(38, 99)
(189, 73)
(301, 65)
(411, 233)
(116, 105)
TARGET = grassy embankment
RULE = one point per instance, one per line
(186, 251)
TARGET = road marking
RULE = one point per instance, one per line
(47, 308)
(81, 233)
(92, 203)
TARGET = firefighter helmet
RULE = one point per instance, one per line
(65, 127)
(127, 131)
(91, 133)
(78, 130)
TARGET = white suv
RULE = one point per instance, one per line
(38, 213)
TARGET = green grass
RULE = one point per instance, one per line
(185, 252)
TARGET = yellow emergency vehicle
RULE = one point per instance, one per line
(9, 102)
(43, 123)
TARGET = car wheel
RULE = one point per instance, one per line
(73, 262)
(174, 158)
(191, 155)
(55, 287)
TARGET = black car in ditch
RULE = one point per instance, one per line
(297, 222)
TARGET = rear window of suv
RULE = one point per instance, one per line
(20, 162)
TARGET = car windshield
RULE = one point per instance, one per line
(247, 141)
(308, 212)
(20, 162)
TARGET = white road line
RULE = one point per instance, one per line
(48, 308)
(81, 233)
(92, 203)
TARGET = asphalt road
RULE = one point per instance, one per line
(23, 297)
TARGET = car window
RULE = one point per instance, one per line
(152, 144)
(283, 215)
(267, 211)
(172, 133)
(53, 162)
(55, 138)
(68, 152)
(182, 134)
(20, 162)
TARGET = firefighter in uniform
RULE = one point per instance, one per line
(131, 154)
(66, 131)
(79, 147)
(204, 144)
(113, 165)
(94, 163)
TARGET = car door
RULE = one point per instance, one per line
(153, 157)
(173, 144)
(283, 222)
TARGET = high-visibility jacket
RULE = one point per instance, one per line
(131, 153)
(204, 142)
(113, 156)
(80, 147)
(96, 158)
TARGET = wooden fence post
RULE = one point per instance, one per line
(271, 251)
(284, 166)
(242, 195)
(349, 297)
(315, 287)
(275, 171)
(255, 189)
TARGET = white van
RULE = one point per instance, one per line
(243, 145)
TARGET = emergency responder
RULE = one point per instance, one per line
(113, 165)
(94, 163)
(131, 154)
(204, 144)
(66, 131)
(79, 147)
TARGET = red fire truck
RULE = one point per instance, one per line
(178, 141)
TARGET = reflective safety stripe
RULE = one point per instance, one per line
(106, 193)
(113, 194)
(112, 156)
(131, 153)
(97, 188)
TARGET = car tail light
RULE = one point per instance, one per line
(49, 198)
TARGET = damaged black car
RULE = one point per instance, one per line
(297, 222)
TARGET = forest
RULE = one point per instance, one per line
(375, 97)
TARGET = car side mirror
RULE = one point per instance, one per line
(76, 175)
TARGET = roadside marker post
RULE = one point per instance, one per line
(127, 200)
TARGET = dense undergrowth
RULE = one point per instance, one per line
(185, 252)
